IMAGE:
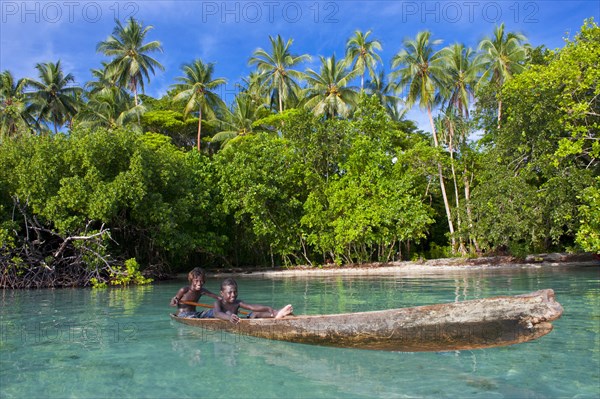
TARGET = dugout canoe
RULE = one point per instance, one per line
(473, 324)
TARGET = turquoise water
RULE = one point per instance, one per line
(81, 343)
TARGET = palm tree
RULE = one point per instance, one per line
(110, 108)
(461, 72)
(13, 109)
(501, 57)
(383, 90)
(131, 63)
(102, 83)
(238, 121)
(277, 67)
(421, 70)
(328, 92)
(361, 52)
(253, 86)
(461, 78)
(197, 90)
(53, 99)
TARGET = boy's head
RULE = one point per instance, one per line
(196, 272)
(196, 278)
(229, 290)
(228, 282)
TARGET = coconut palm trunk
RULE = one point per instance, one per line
(135, 95)
(442, 184)
(280, 98)
(467, 184)
(199, 127)
(499, 112)
(462, 248)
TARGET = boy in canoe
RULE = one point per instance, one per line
(192, 293)
(227, 307)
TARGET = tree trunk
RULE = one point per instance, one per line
(462, 248)
(468, 207)
(134, 89)
(279, 91)
(442, 184)
(499, 112)
(199, 126)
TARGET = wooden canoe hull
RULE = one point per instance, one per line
(480, 323)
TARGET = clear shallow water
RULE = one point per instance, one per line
(80, 343)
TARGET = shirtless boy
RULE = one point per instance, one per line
(228, 307)
(192, 293)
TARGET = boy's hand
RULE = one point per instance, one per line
(234, 318)
(174, 301)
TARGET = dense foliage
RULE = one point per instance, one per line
(109, 186)
(540, 169)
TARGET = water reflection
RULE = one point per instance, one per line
(348, 372)
(341, 294)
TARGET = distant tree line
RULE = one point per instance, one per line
(102, 184)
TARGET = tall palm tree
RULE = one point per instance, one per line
(102, 82)
(461, 72)
(131, 62)
(238, 121)
(110, 108)
(53, 99)
(501, 57)
(13, 107)
(277, 67)
(196, 88)
(362, 53)
(328, 92)
(384, 91)
(421, 70)
(253, 86)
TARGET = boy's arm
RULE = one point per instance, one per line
(220, 314)
(175, 300)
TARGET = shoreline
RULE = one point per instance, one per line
(431, 267)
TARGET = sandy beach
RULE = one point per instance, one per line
(433, 267)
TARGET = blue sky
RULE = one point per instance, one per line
(226, 32)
